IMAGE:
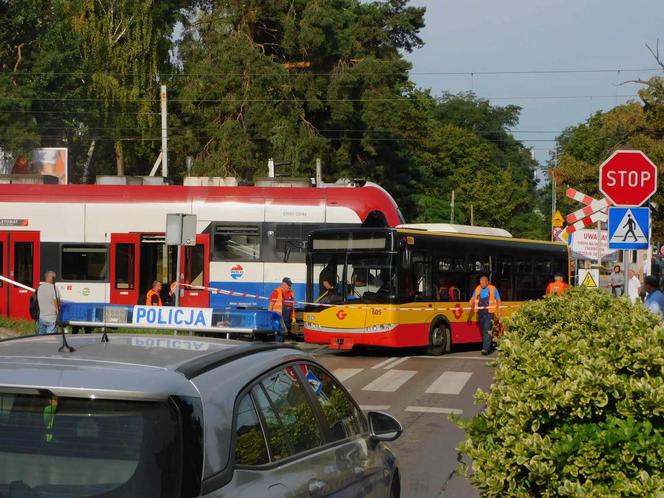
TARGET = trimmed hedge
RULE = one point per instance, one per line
(577, 404)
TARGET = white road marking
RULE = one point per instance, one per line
(390, 381)
(395, 363)
(432, 409)
(449, 383)
(389, 360)
(346, 373)
(374, 408)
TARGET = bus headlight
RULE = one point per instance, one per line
(381, 327)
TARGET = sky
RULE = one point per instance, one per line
(474, 36)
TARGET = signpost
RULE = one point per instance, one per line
(629, 228)
(628, 179)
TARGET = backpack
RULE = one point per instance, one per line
(34, 306)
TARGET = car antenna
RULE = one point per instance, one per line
(65, 346)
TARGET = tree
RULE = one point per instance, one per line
(125, 44)
(297, 80)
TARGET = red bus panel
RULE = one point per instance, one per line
(4, 271)
(24, 258)
(196, 271)
(125, 268)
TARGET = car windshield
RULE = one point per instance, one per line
(87, 447)
(354, 276)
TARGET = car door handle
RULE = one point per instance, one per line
(316, 486)
(359, 470)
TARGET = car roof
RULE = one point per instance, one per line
(128, 366)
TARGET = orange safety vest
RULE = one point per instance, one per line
(556, 288)
(148, 298)
(493, 304)
(278, 303)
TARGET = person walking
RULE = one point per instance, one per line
(633, 286)
(654, 297)
(282, 300)
(49, 304)
(557, 286)
(616, 281)
(486, 301)
(153, 296)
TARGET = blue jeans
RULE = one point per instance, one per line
(486, 324)
(44, 327)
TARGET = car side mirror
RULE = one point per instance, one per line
(383, 427)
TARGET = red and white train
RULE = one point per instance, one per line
(107, 244)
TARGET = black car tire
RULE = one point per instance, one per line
(439, 337)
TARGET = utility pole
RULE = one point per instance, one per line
(164, 133)
(553, 185)
(472, 216)
(452, 210)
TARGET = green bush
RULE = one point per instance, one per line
(577, 404)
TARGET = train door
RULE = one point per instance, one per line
(4, 271)
(125, 268)
(196, 271)
(20, 251)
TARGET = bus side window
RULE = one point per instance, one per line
(423, 277)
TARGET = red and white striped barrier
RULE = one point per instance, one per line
(590, 209)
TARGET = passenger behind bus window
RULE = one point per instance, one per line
(447, 291)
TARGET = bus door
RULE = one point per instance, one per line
(196, 271)
(125, 269)
(20, 250)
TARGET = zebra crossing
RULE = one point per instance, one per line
(411, 384)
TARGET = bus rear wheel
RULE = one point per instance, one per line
(439, 338)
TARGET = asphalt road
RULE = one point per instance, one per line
(420, 391)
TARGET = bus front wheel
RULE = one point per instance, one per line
(439, 338)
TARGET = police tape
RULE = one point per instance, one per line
(456, 308)
(17, 284)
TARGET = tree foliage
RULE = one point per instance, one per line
(577, 406)
(637, 125)
(293, 80)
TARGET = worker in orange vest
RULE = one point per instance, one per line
(486, 301)
(153, 296)
(282, 300)
(557, 286)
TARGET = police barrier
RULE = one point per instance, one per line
(253, 323)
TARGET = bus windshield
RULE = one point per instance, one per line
(352, 277)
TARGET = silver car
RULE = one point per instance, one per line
(167, 416)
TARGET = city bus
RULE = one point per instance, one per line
(410, 286)
(106, 242)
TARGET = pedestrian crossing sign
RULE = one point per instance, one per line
(629, 228)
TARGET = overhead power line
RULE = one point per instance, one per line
(337, 73)
(299, 100)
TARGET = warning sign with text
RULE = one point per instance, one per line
(584, 244)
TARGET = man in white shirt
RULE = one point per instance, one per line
(49, 304)
(633, 286)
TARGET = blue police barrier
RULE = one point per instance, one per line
(234, 322)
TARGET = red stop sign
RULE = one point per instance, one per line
(628, 178)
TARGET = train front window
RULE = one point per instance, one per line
(349, 277)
